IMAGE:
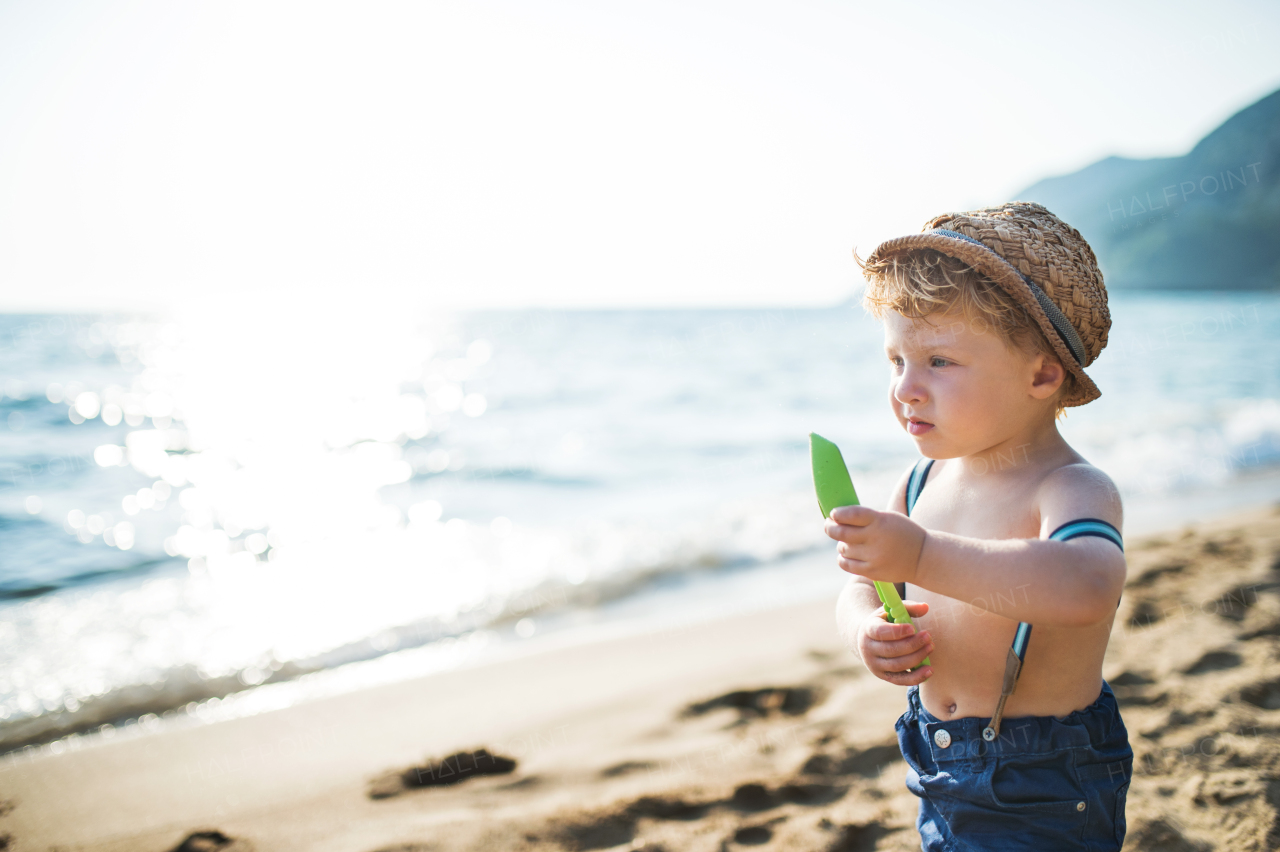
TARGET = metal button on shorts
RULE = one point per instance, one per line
(942, 738)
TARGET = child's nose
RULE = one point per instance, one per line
(908, 388)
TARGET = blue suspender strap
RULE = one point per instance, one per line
(1021, 638)
(1087, 526)
(916, 483)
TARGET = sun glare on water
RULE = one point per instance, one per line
(269, 436)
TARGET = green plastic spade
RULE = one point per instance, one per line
(835, 488)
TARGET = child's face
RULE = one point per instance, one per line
(968, 390)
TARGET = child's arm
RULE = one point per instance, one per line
(891, 652)
(1053, 583)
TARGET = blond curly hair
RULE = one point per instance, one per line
(919, 283)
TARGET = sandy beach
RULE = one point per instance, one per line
(755, 730)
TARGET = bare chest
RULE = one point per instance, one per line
(976, 512)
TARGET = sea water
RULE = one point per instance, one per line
(225, 504)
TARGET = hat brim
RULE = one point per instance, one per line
(1008, 279)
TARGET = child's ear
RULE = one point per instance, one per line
(1048, 376)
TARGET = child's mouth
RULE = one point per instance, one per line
(918, 427)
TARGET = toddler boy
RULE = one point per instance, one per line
(990, 318)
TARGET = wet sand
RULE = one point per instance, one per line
(758, 730)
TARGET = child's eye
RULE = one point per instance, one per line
(939, 362)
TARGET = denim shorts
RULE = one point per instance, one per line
(1044, 783)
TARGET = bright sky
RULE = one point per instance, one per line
(490, 153)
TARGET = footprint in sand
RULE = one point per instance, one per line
(1214, 661)
(756, 835)
(662, 807)
(860, 837)
(212, 840)
(1271, 628)
(758, 797)
(1130, 689)
(617, 825)
(1234, 604)
(760, 703)
(1151, 575)
(1264, 695)
(456, 768)
(626, 768)
(1157, 834)
(867, 762)
(1144, 613)
(753, 835)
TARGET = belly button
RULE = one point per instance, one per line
(951, 708)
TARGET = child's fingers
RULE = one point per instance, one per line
(908, 678)
(899, 647)
(886, 631)
(844, 532)
(853, 515)
(906, 661)
(853, 566)
(915, 609)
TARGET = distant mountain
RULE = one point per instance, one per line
(1207, 220)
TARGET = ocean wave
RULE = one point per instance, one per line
(514, 473)
(181, 686)
(40, 559)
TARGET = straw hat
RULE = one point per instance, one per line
(1042, 262)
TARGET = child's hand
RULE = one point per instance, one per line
(881, 546)
(888, 650)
